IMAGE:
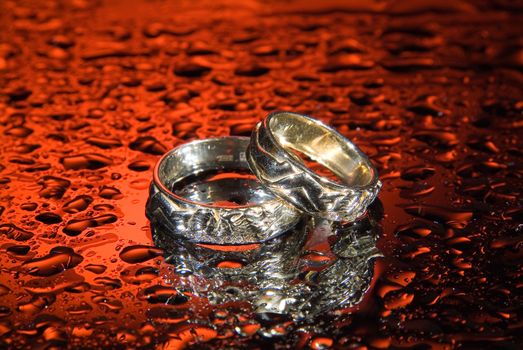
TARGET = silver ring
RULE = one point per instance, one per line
(273, 161)
(221, 210)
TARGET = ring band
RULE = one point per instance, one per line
(203, 212)
(271, 158)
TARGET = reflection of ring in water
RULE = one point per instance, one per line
(277, 257)
(347, 279)
(316, 267)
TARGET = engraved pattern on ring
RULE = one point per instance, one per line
(219, 225)
(277, 170)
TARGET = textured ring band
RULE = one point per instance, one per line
(204, 211)
(271, 155)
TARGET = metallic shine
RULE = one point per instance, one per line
(271, 159)
(265, 217)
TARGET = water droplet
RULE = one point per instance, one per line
(164, 295)
(191, 70)
(76, 226)
(77, 204)
(109, 192)
(427, 105)
(407, 64)
(438, 138)
(251, 71)
(107, 283)
(49, 218)
(90, 161)
(104, 142)
(94, 268)
(139, 165)
(148, 144)
(321, 343)
(81, 309)
(139, 275)
(108, 303)
(19, 250)
(4, 290)
(139, 253)
(18, 131)
(59, 259)
(53, 187)
(36, 304)
(14, 232)
(418, 173)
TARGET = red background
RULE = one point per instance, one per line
(91, 93)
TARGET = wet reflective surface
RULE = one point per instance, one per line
(314, 268)
(91, 93)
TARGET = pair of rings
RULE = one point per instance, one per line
(278, 188)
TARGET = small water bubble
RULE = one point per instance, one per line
(94, 268)
(452, 217)
(438, 138)
(18, 131)
(4, 290)
(418, 173)
(148, 144)
(80, 309)
(139, 275)
(29, 206)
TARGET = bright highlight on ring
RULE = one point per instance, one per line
(272, 155)
(276, 189)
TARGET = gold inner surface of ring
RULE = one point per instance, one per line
(323, 146)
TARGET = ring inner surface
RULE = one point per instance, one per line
(213, 172)
(321, 145)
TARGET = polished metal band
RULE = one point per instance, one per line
(192, 211)
(271, 158)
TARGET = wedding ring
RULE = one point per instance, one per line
(229, 207)
(273, 155)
